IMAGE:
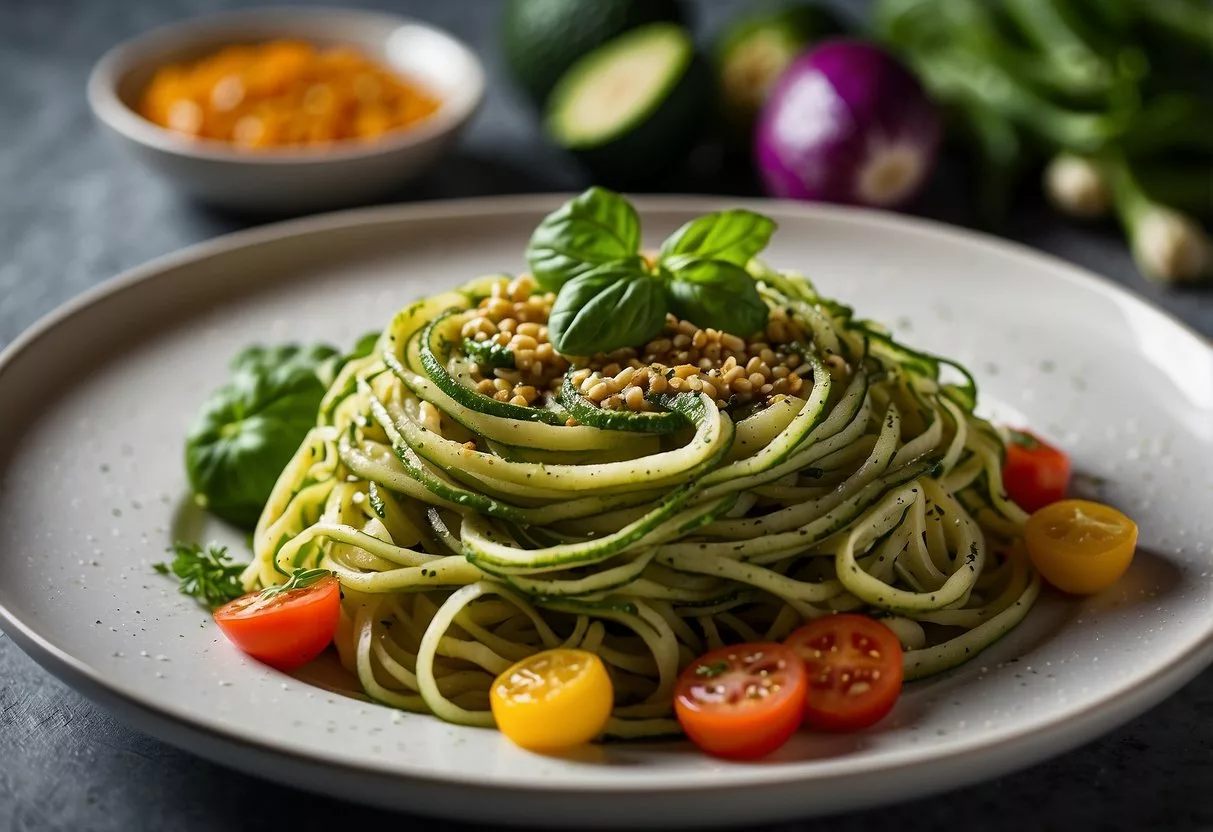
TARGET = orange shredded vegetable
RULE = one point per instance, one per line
(284, 93)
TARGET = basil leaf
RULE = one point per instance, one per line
(717, 294)
(248, 430)
(612, 306)
(364, 346)
(730, 236)
(597, 227)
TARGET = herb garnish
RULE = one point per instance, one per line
(711, 671)
(207, 574)
(301, 579)
(609, 296)
(1024, 440)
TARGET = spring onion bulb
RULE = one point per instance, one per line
(1077, 186)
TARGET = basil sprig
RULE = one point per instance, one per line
(609, 297)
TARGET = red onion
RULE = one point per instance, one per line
(846, 122)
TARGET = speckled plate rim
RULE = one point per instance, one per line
(920, 771)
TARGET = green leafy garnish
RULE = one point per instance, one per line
(248, 430)
(711, 671)
(612, 306)
(700, 274)
(300, 579)
(488, 353)
(718, 291)
(364, 346)
(1024, 440)
(732, 236)
(207, 574)
(598, 227)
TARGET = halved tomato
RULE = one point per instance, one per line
(854, 666)
(1079, 546)
(741, 702)
(1036, 473)
(553, 700)
(285, 626)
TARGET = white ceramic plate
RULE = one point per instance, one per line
(97, 398)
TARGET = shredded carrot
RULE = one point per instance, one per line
(284, 93)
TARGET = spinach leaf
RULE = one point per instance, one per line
(488, 354)
(717, 294)
(364, 346)
(615, 305)
(730, 236)
(209, 574)
(248, 430)
(597, 227)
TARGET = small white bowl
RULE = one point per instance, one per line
(297, 179)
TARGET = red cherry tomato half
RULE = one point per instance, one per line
(854, 666)
(284, 628)
(742, 702)
(1036, 474)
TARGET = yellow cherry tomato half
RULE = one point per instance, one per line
(1079, 546)
(553, 700)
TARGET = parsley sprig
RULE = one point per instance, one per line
(205, 573)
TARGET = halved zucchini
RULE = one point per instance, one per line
(634, 106)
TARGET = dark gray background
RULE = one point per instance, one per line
(73, 211)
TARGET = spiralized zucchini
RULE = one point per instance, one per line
(469, 539)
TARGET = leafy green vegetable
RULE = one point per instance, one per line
(605, 303)
(249, 428)
(720, 292)
(614, 305)
(597, 227)
(207, 574)
(364, 346)
(732, 236)
(1093, 80)
(488, 353)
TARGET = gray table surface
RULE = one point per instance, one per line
(73, 212)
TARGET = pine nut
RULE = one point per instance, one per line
(731, 342)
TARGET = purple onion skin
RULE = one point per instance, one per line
(847, 123)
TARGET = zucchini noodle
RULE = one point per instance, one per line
(468, 533)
